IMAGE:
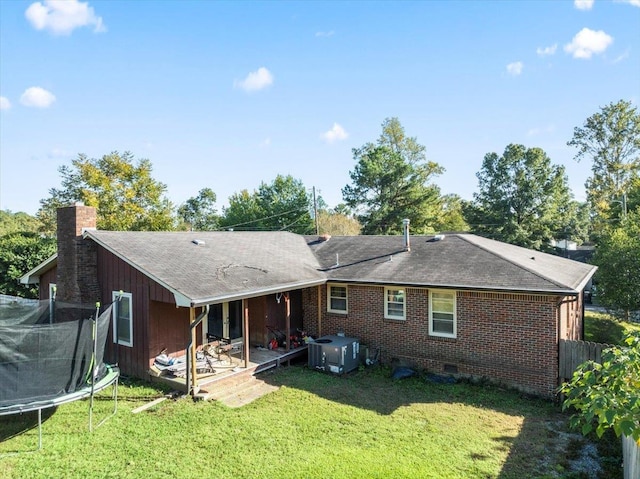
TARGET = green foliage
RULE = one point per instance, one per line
(17, 222)
(283, 205)
(199, 213)
(391, 181)
(452, 215)
(618, 259)
(523, 199)
(337, 224)
(122, 189)
(20, 252)
(603, 328)
(607, 395)
(611, 139)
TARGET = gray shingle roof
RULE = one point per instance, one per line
(457, 261)
(229, 265)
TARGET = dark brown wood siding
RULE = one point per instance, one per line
(45, 280)
(116, 275)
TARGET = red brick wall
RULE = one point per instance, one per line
(77, 263)
(508, 338)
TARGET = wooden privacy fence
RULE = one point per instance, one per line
(631, 457)
(574, 353)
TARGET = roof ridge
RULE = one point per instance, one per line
(465, 237)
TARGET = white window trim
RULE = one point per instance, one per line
(115, 295)
(52, 299)
(386, 303)
(338, 311)
(455, 314)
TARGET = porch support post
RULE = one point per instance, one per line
(319, 310)
(245, 331)
(287, 304)
(192, 352)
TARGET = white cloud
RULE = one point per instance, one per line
(635, 3)
(5, 104)
(515, 68)
(541, 130)
(37, 97)
(583, 4)
(61, 17)
(325, 34)
(336, 133)
(543, 52)
(257, 80)
(587, 42)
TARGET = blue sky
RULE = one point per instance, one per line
(228, 94)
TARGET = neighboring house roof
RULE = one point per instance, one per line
(226, 266)
(463, 261)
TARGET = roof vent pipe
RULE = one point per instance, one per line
(405, 231)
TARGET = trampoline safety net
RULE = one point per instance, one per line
(46, 350)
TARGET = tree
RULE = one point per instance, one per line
(17, 222)
(608, 394)
(199, 213)
(334, 223)
(452, 215)
(391, 181)
(283, 205)
(523, 199)
(20, 252)
(611, 139)
(122, 189)
(618, 259)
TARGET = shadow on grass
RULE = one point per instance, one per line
(603, 329)
(18, 424)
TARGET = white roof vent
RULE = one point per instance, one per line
(198, 242)
(438, 237)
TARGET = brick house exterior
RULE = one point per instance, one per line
(459, 304)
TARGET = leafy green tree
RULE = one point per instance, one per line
(618, 259)
(199, 213)
(607, 395)
(20, 252)
(452, 215)
(284, 205)
(391, 181)
(523, 199)
(123, 191)
(611, 140)
(337, 224)
(17, 222)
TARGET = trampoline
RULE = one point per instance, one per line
(51, 354)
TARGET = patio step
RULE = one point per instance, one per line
(239, 394)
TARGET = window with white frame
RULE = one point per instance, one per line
(122, 318)
(394, 303)
(337, 299)
(442, 313)
(52, 302)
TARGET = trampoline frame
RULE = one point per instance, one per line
(111, 378)
(87, 391)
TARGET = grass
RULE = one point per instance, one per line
(363, 425)
(603, 328)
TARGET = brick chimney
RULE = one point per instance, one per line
(77, 276)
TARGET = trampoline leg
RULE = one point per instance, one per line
(39, 429)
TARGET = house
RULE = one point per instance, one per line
(458, 304)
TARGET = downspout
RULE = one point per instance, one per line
(192, 327)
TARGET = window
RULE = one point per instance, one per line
(52, 302)
(442, 313)
(337, 301)
(122, 318)
(394, 303)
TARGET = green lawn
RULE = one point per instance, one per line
(604, 328)
(363, 425)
